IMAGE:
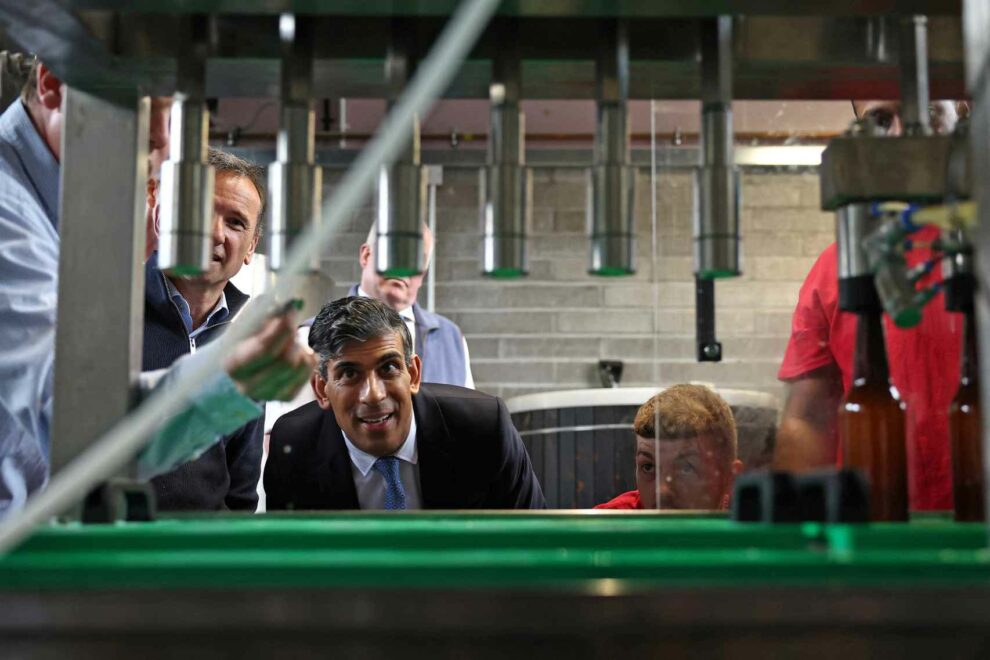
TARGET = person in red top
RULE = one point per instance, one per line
(696, 435)
(924, 360)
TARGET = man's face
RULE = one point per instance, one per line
(161, 111)
(396, 292)
(369, 388)
(943, 116)
(693, 473)
(236, 207)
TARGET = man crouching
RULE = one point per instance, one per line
(378, 438)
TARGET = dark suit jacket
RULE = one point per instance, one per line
(470, 456)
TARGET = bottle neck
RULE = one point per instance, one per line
(969, 368)
(871, 354)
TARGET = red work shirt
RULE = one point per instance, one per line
(629, 500)
(924, 366)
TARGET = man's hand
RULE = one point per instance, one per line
(271, 365)
(151, 221)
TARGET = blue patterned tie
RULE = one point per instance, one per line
(395, 496)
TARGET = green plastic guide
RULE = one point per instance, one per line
(493, 550)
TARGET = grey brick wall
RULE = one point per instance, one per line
(548, 331)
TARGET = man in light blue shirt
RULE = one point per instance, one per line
(30, 137)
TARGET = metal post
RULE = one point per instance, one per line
(611, 185)
(186, 218)
(434, 179)
(401, 208)
(101, 275)
(295, 182)
(976, 27)
(857, 292)
(505, 183)
(914, 76)
(716, 230)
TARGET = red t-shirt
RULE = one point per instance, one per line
(628, 500)
(924, 365)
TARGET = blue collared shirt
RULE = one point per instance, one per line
(29, 195)
(217, 315)
(370, 485)
(29, 247)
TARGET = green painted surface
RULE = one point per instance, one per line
(494, 550)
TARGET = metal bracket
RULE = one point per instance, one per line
(864, 168)
(709, 348)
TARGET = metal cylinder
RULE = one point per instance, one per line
(295, 182)
(914, 75)
(401, 214)
(186, 213)
(857, 291)
(716, 219)
(716, 210)
(401, 203)
(716, 222)
(852, 224)
(611, 195)
(505, 184)
(958, 274)
(612, 180)
(505, 192)
(295, 191)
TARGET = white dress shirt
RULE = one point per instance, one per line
(370, 484)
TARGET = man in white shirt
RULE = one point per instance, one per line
(438, 341)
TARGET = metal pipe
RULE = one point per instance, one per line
(612, 180)
(914, 76)
(110, 452)
(401, 201)
(857, 292)
(716, 219)
(676, 138)
(185, 243)
(434, 179)
(505, 183)
(295, 182)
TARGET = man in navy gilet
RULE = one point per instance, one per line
(183, 313)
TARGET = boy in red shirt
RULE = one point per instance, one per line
(697, 463)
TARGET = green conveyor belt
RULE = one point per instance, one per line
(493, 550)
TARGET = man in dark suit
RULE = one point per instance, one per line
(376, 438)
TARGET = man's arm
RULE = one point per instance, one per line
(244, 449)
(268, 364)
(515, 485)
(807, 437)
(28, 288)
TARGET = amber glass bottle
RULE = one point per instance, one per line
(871, 424)
(964, 432)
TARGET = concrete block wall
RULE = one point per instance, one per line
(548, 331)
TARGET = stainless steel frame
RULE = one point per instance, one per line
(786, 50)
(101, 273)
(604, 622)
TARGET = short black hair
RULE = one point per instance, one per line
(355, 319)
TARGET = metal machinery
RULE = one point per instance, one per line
(114, 53)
